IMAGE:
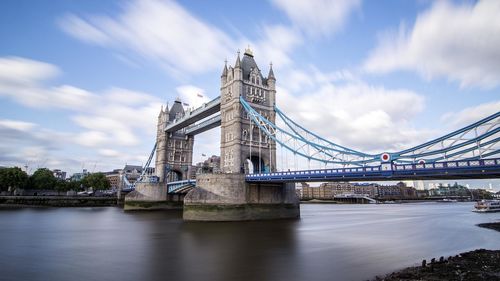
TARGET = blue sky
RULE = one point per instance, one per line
(81, 82)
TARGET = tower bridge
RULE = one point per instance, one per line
(250, 184)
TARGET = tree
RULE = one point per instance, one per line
(43, 178)
(12, 178)
(96, 181)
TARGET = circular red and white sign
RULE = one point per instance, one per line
(385, 157)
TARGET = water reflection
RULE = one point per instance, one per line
(329, 242)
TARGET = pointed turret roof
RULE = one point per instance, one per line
(271, 72)
(176, 110)
(224, 71)
(238, 62)
(248, 64)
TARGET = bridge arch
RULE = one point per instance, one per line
(255, 164)
(174, 175)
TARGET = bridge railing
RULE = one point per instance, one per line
(173, 186)
(448, 164)
(378, 171)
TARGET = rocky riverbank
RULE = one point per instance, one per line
(475, 265)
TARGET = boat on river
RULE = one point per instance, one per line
(447, 200)
(487, 206)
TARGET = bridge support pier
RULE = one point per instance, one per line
(151, 196)
(227, 197)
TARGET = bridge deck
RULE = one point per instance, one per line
(470, 169)
(194, 116)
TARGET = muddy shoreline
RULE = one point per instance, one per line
(479, 264)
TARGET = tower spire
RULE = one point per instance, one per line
(224, 71)
(271, 72)
(238, 61)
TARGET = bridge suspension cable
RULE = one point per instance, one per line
(477, 141)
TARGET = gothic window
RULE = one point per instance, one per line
(245, 133)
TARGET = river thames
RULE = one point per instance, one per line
(329, 242)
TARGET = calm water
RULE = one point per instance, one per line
(329, 242)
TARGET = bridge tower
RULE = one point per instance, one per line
(174, 156)
(174, 151)
(243, 147)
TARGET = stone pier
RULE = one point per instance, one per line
(151, 196)
(227, 197)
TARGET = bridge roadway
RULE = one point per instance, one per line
(462, 169)
(196, 115)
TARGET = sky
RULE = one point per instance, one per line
(82, 82)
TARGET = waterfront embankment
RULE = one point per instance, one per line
(480, 264)
(57, 201)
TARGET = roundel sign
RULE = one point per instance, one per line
(385, 157)
(422, 161)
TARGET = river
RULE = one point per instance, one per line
(329, 242)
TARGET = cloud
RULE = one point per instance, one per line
(470, 115)
(352, 113)
(318, 17)
(16, 71)
(459, 42)
(161, 31)
(116, 118)
(192, 95)
(276, 44)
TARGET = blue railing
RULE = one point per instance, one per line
(176, 185)
(450, 169)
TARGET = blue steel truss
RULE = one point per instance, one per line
(480, 140)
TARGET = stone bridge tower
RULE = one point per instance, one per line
(244, 148)
(174, 151)
(227, 196)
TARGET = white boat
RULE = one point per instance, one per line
(487, 206)
(447, 200)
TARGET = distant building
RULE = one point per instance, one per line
(131, 172)
(79, 176)
(328, 191)
(58, 174)
(398, 191)
(211, 165)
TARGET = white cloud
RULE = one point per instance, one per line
(83, 30)
(16, 71)
(161, 31)
(470, 115)
(275, 46)
(318, 17)
(353, 113)
(109, 153)
(459, 42)
(114, 119)
(192, 95)
(16, 125)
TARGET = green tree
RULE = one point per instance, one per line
(43, 178)
(62, 186)
(96, 181)
(74, 185)
(14, 178)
